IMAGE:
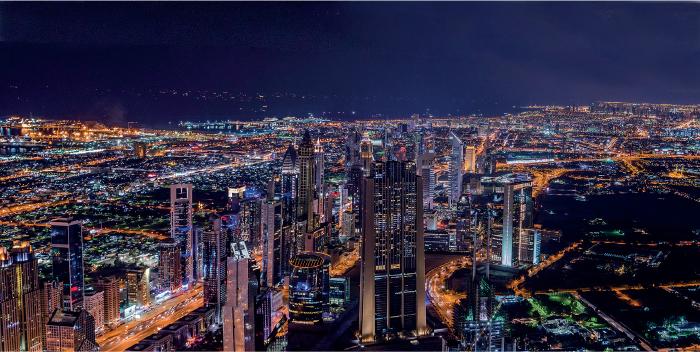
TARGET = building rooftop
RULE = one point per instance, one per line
(63, 318)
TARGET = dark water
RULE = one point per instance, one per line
(663, 216)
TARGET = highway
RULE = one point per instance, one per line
(128, 334)
(435, 282)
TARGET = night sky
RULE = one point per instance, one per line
(394, 58)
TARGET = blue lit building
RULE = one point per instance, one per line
(67, 255)
(309, 288)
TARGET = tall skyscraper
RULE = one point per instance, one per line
(69, 331)
(517, 218)
(309, 289)
(67, 254)
(181, 225)
(319, 168)
(456, 160)
(239, 311)
(138, 291)
(529, 246)
(355, 192)
(110, 287)
(215, 250)
(392, 254)
(20, 299)
(263, 315)
(366, 154)
(470, 159)
(352, 151)
(274, 251)
(426, 168)
(95, 305)
(306, 181)
(169, 278)
(290, 172)
(507, 242)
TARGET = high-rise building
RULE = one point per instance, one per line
(138, 291)
(529, 246)
(517, 211)
(290, 172)
(263, 318)
(306, 188)
(352, 151)
(250, 225)
(20, 299)
(239, 311)
(181, 226)
(309, 289)
(169, 264)
(426, 167)
(319, 168)
(274, 251)
(110, 288)
(392, 278)
(339, 291)
(215, 250)
(456, 160)
(67, 255)
(69, 331)
(507, 241)
(51, 299)
(95, 305)
(366, 154)
(355, 193)
(470, 159)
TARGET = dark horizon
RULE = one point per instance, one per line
(394, 59)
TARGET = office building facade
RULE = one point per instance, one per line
(67, 257)
(392, 253)
(309, 289)
(181, 229)
(169, 264)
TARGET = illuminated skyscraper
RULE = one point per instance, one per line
(307, 173)
(274, 252)
(67, 254)
(470, 159)
(110, 287)
(456, 160)
(352, 151)
(138, 291)
(517, 217)
(309, 289)
(181, 225)
(529, 246)
(215, 250)
(169, 278)
(95, 305)
(290, 172)
(366, 154)
(392, 278)
(319, 168)
(239, 311)
(426, 168)
(20, 299)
